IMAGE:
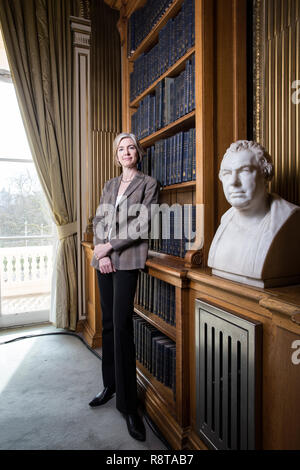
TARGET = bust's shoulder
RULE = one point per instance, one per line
(280, 211)
(225, 219)
(277, 203)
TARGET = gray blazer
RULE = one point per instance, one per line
(113, 224)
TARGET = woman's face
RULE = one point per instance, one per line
(127, 153)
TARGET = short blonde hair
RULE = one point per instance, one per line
(126, 135)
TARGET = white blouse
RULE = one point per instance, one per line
(116, 205)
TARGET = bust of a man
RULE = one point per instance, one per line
(257, 242)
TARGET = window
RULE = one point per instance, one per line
(26, 227)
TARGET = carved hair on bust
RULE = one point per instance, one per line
(264, 160)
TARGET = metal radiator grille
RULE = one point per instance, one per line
(227, 354)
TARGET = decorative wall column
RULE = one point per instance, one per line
(106, 90)
(105, 125)
(81, 29)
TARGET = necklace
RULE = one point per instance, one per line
(127, 181)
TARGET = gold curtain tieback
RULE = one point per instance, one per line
(67, 230)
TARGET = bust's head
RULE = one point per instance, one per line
(245, 170)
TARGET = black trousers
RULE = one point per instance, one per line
(117, 291)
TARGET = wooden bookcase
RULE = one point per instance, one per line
(199, 192)
(218, 117)
(169, 413)
(172, 415)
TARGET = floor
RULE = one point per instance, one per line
(27, 303)
(52, 424)
(7, 334)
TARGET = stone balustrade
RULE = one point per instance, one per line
(25, 270)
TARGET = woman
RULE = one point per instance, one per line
(121, 248)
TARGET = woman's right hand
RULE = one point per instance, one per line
(106, 266)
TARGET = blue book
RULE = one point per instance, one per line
(171, 160)
(190, 156)
(185, 9)
(173, 42)
(177, 140)
(175, 156)
(182, 94)
(180, 34)
(193, 21)
(187, 87)
(172, 101)
(193, 82)
(161, 162)
(153, 161)
(173, 369)
(194, 155)
(164, 162)
(185, 156)
(189, 23)
(168, 82)
(181, 135)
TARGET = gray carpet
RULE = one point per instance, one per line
(46, 384)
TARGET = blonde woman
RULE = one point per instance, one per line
(119, 252)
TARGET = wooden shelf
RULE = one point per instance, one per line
(165, 393)
(171, 72)
(152, 37)
(165, 259)
(184, 122)
(155, 320)
(180, 186)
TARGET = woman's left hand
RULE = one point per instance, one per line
(102, 250)
(106, 266)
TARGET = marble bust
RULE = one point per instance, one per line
(258, 240)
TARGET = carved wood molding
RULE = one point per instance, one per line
(81, 30)
(194, 259)
(85, 9)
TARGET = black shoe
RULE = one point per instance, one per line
(136, 427)
(103, 397)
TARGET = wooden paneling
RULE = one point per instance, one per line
(205, 116)
(92, 326)
(275, 309)
(105, 94)
(277, 59)
(281, 423)
(230, 85)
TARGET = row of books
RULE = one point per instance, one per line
(172, 160)
(143, 20)
(177, 231)
(157, 297)
(174, 40)
(173, 98)
(155, 351)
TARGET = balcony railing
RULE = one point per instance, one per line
(25, 270)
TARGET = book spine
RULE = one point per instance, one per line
(190, 156)
(194, 155)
